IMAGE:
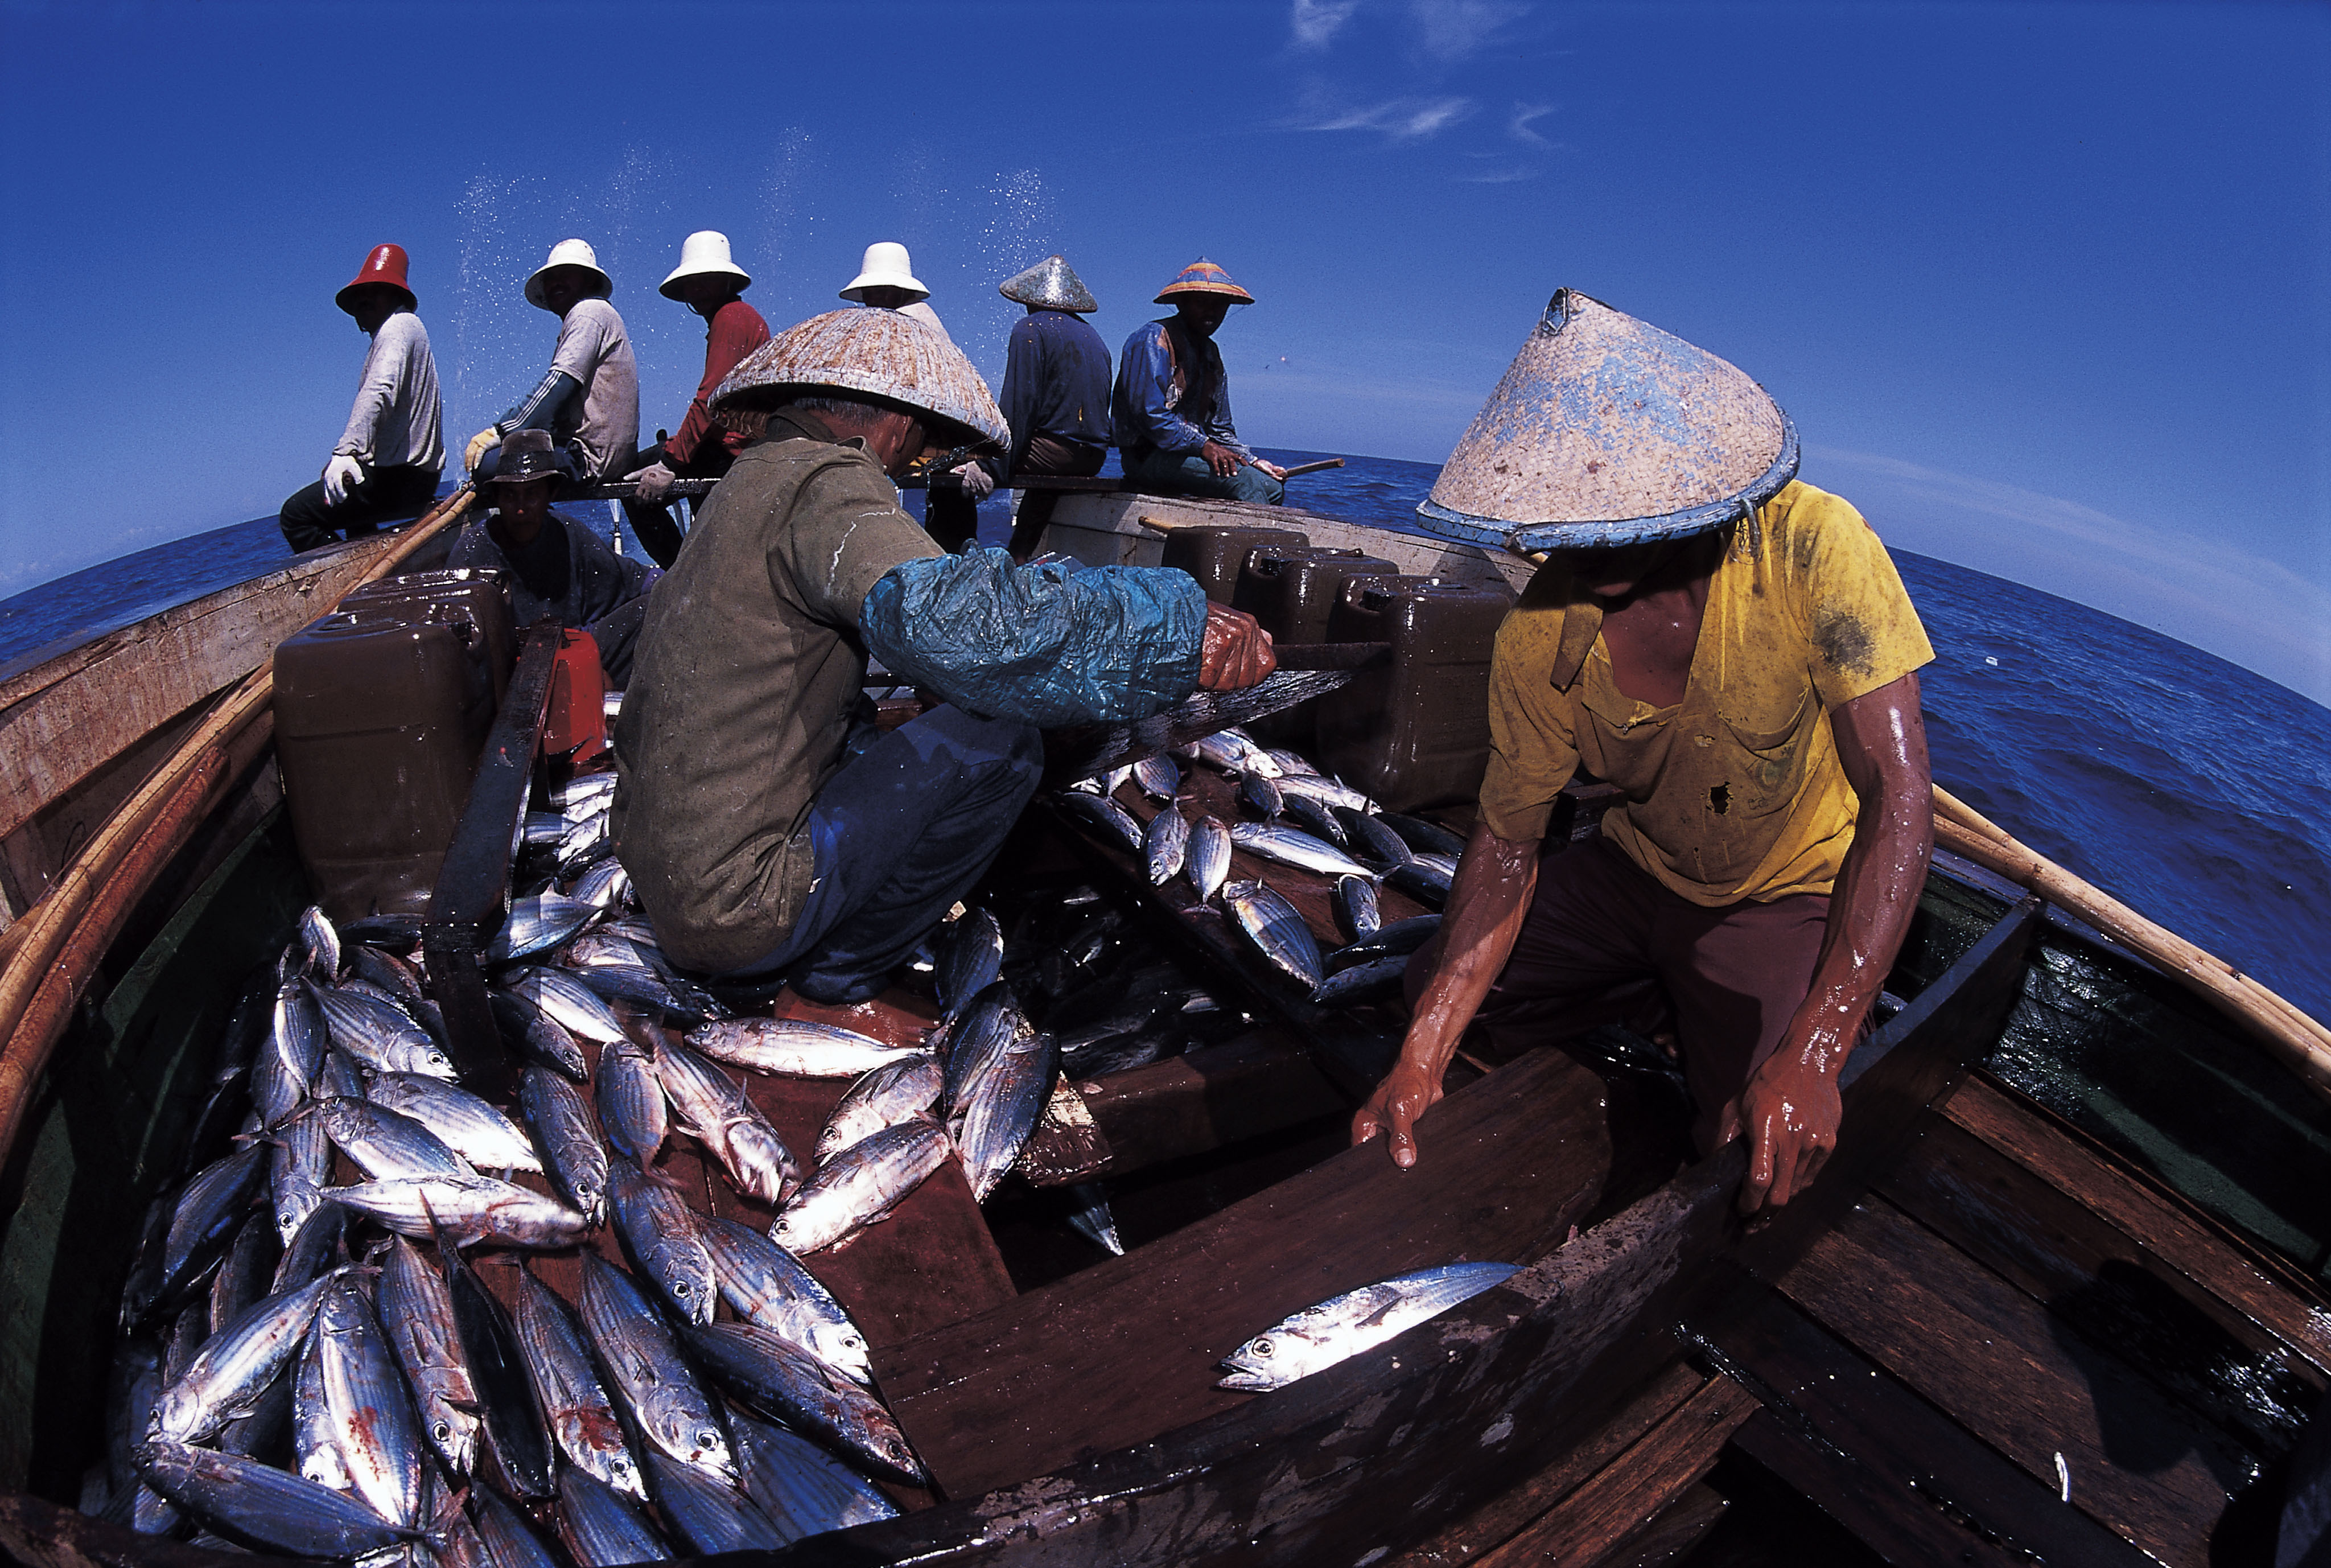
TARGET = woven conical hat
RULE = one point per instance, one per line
(1607, 431)
(879, 352)
(1051, 283)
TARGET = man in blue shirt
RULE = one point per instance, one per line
(1172, 408)
(1055, 392)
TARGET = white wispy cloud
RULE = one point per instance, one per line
(1519, 127)
(1500, 176)
(1450, 30)
(1315, 22)
(1399, 119)
(2198, 590)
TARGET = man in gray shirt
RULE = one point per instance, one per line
(589, 399)
(385, 464)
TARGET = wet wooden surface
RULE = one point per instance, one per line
(1206, 1098)
(1129, 1348)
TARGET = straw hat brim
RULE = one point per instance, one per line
(879, 353)
(1230, 291)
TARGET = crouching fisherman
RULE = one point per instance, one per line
(555, 567)
(770, 833)
(383, 467)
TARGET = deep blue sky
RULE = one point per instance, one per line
(2046, 287)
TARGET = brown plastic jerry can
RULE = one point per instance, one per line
(381, 712)
(1214, 554)
(1291, 591)
(477, 595)
(1415, 733)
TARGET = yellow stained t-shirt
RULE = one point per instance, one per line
(1736, 792)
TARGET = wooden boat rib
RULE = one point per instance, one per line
(2059, 1296)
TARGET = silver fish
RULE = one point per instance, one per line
(1104, 816)
(417, 1310)
(205, 1217)
(650, 1376)
(781, 1380)
(566, 1001)
(470, 1208)
(470, 1127)
(234, 1366)
(372, 1420)
(245, 1272)
(1326, 791)
(605, 885)
(659, 1232)
(389, 972)
(1292, 764)
(313, 1248)
(1208, 856)
(884, 1098)
(1312, 815)
(1251, 755)
(578, 1161)
(713, 1110)
(509, 1417)
(1166, 844)
(270, 1506)
(1115, 779)
(290, 1056)
(537, 1037)
(583, 794)
(536, 925)
(633, 1111)
(541, 830)
(707, 1517)
(1370, 840)
(1260, 796)
(1276, 929)
(1291, 847)
(1159, 779)
(321, 944)
(1353, 899)
(971, 958)
(1001, 1105)
(601, 1528)
(1400, 937)
(1219, 752)
(767, 1284)
(1425, 838)
(1426, 878)
(602, 947)
(384, 1144)
(1369, 982)
(379, 1034)
(801, 1487)
(859, 1186)
(1342, 1326)
(343, 1076)
(313, 1447)
(574, 1402)
(1092, 1219)
(511, 1540)
(793, 1047)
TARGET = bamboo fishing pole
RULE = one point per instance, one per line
(2302, 1042)
(55, 945)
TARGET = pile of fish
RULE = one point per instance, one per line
(1304, 819)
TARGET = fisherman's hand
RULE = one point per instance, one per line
(1272, 469)
(976, 484)
(340, 475)
(655, 482)
(1790, 1112)
(1221, 458)
(1237, 652)
(1407, 1092)
(484, 442)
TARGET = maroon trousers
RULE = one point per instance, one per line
(1603, 943)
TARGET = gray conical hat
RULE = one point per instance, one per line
(1607, 431)
(875, 351)
(1051, 283)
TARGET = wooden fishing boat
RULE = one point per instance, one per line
(2059, 1297)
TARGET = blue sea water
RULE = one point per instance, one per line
(2193, 790)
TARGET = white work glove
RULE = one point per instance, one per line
(340, 475)
(655, 482)
(484, 442)
(975, 482)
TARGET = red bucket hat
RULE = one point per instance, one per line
(385, 265)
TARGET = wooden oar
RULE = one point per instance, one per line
(56, 945)
(1311, 467)
(2303, 1043)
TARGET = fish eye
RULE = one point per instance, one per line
(442, 1431)
(707, 1440)
(1262, 1347)
(681, 1287)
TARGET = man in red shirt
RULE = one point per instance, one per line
(708, 283)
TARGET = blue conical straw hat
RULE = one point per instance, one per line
(866, 349)
(1607, 431)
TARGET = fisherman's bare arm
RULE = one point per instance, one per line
(1491, 893)
(1790, 1109)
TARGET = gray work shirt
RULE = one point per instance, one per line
(594, 349)
(397, 422)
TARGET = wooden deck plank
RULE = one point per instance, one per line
(2174, 1232)
(1128, 1349)
(2211, 1356)
(1995, 1360)
(1506, 1516)
(1680, 1528)
(1914, 1485)
(1217, 1094)
(1616, 1505)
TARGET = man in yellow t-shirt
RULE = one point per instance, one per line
(1733, 651)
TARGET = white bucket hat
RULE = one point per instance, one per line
(568, 253)
(886, 266)
(701, 254)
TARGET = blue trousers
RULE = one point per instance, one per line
(1186, 474)
(901, 832)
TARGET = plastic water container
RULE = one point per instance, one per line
(381, 711)
(1291, 591)
(478, 596)
(1214, 553)
(1415, 733)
